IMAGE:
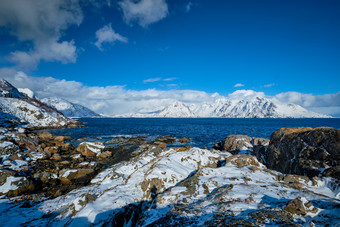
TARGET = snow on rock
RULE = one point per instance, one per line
(69, 109)
(185, 187)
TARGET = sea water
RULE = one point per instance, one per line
(201, 131)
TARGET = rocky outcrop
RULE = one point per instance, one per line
(305, 151)
(241, 143)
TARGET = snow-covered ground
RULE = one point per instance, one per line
(186, 186)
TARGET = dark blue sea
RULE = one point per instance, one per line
(201, 131)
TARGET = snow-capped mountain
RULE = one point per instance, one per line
(245, 107)
(15, 105)
(176, 109)
(69, 109)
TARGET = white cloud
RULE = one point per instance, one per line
(113, 100)
(48, 51)
(170, 79)
(152, 80)
(239, 85)
(269, 85)
(107, 35)
(144, 12)
(41, 25)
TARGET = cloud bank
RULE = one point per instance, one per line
(112, 100)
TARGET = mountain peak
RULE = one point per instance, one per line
(8, 90)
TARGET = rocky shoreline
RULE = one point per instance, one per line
(156, 184)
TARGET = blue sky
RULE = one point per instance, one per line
(210, 46)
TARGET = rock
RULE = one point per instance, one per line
(300, 206)
(11, 185)
(62, 139)
(183, 140)
(44, 135)
(166, 139)
(295, 179)
(116, 140)
(161, 145)
(15, 157)
(296, 206)
(105, 155)
(8, 148)
(82, 139)
(56, 157)
(260, 141)
(51, 150)
(304, 151)
(242, 160)
(76, 175)
(68, 147)
(89, 149)
(235, 143)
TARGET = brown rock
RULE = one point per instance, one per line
(234, 143)
(296, 206)
(51, 150)
(90, 149)
(184, 140)
(15, 157)
(166, 139)
(44, 135)
(56, 157)
(161, 145)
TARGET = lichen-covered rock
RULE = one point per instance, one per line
(235, 143)
(304, 151)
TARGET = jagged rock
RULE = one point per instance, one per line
(89, 149)
(260, 141)
(304, 151)
(166, 139)
(183, 140)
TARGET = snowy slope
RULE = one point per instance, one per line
(14, 104)
(176, 109)
(69, 109)
(186, 188)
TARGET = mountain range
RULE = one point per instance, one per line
(246, 107)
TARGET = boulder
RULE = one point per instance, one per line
(304, 151)
(235, 143)
(44, 135)
(89, 149)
